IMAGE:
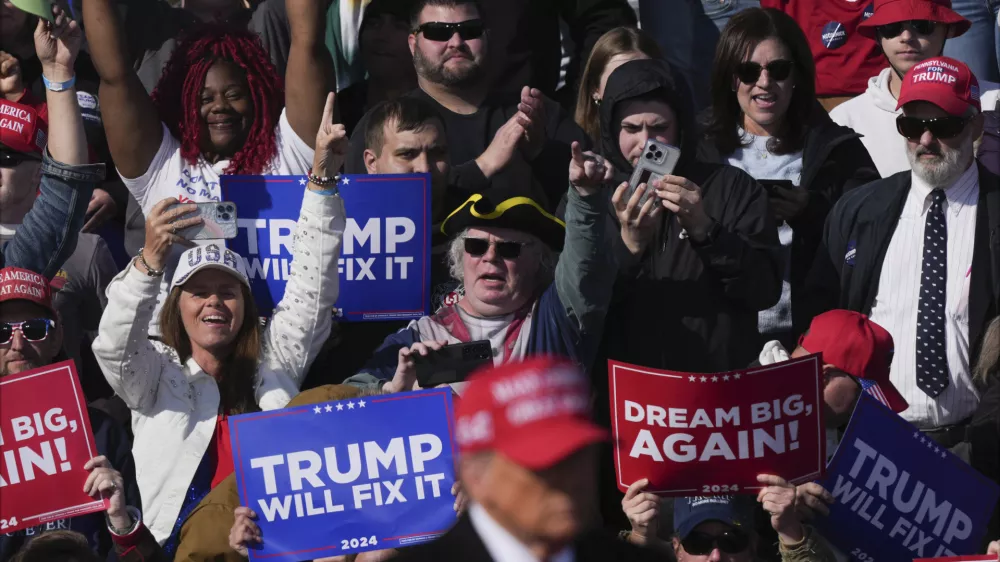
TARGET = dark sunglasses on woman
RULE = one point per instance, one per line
(440, 31)
(941, 127)
(749, 72)
(35, 329)
(477, 247)
(9, 159)
(732, 541)
(920, 27)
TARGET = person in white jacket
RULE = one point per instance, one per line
(214, 359)
(909, 32)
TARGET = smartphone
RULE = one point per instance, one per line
(658, 159)
(219, 222)
(452, 363)
(770, 185)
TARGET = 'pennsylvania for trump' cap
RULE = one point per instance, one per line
(943, 81)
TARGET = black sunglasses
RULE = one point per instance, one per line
(749, 72)
(941, 127)
(440, 31)
(10, 159)
(731, 542)
(920, 27)
(477, 247)
(35, 329)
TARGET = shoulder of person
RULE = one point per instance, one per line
(876, 193)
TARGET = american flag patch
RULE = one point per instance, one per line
(873, 390)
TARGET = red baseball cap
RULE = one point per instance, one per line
(895, 11)
(851, 342)
(22, 127)
(943, 81)
(536, 413)
(26, 285)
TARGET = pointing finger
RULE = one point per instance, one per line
(328, 108)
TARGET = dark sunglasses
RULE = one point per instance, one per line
(730, 542)
(920, 27)
(440, 31)
(749, 72)
(941, 127)
(477, 247)
(36, 329)
(11, 159)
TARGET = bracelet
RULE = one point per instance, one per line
(323, 181)
(59, 86)
(149, 270)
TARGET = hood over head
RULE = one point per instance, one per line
(645, 78)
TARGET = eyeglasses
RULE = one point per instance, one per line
(11, 159)
(440, 31)
(941, 127)
(35, 329)
(477, 247)
(730, 542)
(749, 72)
(920, 27)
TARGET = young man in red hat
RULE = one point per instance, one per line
(908, 32)
(913, 251)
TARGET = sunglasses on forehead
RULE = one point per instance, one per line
(920, 27)
(749, 72)
(477, 247)
(9, 159)
(941, 127)
(732, 541)
(36, 329)
(440, 31)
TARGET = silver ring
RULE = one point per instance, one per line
(173, 230)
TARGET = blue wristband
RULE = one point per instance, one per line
(59, 86)
(332, 191)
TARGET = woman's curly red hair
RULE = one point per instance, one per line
(178, 93)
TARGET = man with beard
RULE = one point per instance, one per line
(522, 138)
(913, 251)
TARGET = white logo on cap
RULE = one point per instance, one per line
(474, 429)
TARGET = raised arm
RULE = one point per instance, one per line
(308, 78)
(130, 118)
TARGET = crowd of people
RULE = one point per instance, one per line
(836, 192)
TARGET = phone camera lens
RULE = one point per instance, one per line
(225, 216)
(659, 155)
(649, 155)
(221, 208)
(229, 208)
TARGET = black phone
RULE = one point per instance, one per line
(452, 363)
(770, 185)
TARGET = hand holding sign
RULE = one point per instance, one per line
(106, 482)
(244, 532)
(778, 499)
(642, 509)
(331, 143)
(812, 500)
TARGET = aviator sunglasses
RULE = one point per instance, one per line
(35, 329)
(920, 27)
(477, 247)
(731, 542)
(749, 72)
(440, 31)
(941, 127)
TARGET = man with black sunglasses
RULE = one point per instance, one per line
(917, 252)
(908, 32)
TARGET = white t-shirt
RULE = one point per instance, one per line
(169, 175)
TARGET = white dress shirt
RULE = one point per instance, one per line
(896, 304)
(503, 546)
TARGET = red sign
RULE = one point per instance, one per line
(45, 439)
(696, 434)
(973, 558)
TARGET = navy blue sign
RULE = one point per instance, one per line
(343, 477)
(834, 35)
(899, 496)
(385, 257)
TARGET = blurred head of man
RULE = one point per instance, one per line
(528, 452)
(714, 529)
(856, 356)
(22, 140)
(448, 41)
(12, 24)
(407, 136)
(383, 41)
(30, 334)
(912, 31)
(941, 119)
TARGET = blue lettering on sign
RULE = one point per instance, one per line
(834, 35)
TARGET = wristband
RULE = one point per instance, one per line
(59, 86)
(149, 270)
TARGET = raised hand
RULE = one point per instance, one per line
(778, 498)
(102, 207)
(812, 500)
(11, 84)
(331, 143)
(531, 116)
(682, 197)
(106, 482)
(638, 222)
(406, 368)
(642, 509)
(162, 224)
(588, 172)
(500, 152)
(56, 44)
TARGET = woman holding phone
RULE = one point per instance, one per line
(214, 359)
(764, 119)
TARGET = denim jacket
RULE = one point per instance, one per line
(49, 232)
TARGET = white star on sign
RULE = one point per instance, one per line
(350, 405)
(916, 434)
(328, 408)
(715, 379)
(317, 409)
(692, 379)
(737, 376)
(340, 407)
(302, 181)
(704, 379)
(361, 403)
(922, 439)
(944, 454)
(345, 181)
(725, 377)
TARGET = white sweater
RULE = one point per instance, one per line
(873, 115)
(174, 405)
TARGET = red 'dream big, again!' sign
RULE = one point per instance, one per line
(696, 434)
(45, 439)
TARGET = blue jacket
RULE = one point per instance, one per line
(49, 232)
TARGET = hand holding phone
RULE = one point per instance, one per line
(452, 363)
(657, 160)
(218, 222)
